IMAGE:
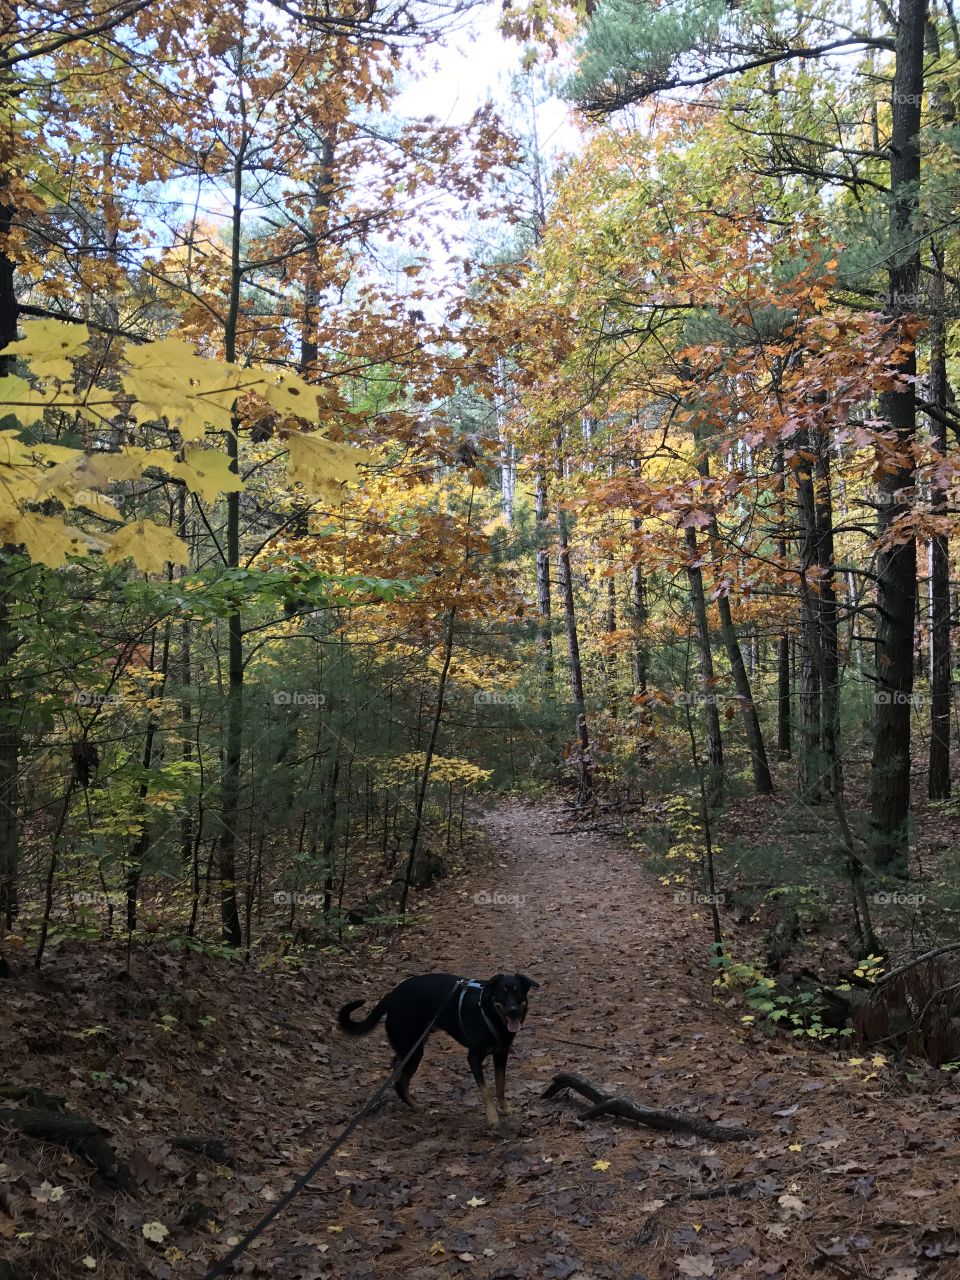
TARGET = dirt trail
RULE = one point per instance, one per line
(854, 1176)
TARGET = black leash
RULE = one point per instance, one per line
(223, 1266)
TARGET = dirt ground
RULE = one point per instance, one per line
(854, 1172)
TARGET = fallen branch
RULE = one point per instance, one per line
(912, 964)
(80, 1135)
(608, 1104)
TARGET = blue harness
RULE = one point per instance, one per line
(465, 984)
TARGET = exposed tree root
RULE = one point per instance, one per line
(79, 1134)
(608, 1104)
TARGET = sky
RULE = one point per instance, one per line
(473, 64)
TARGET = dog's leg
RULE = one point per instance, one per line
(401, 1049)
(500, 1078)
(476, 1066)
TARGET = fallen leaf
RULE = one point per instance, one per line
(791, 1204)
(700, 1264)
(46, 1193)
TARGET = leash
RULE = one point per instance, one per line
(225, 1264)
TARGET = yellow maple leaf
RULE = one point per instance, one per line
(26, 403)
(321, 465)
(207, 472)
(18, 485)
(49, 346)
(169, 380)
(149, 545)
(12, 448)
(289, 394)
(601, 1165)
(71, 481)
(53, 453)
(46, 538)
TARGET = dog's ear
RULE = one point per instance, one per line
(492, 982)
(528, 982)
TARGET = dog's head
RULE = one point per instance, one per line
(508, 995)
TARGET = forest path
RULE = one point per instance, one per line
(625, 999)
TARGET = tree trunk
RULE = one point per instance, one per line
(897, 563)
(323, 196)
(545, 633)
(827, 617)
(565, 576)
(810, 765)
(784, 728)
(711, 716)
(233, 747)
(938, 782)
(638, 612)
(9, 757)
(9, 712)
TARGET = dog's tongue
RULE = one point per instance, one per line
(513, 1025)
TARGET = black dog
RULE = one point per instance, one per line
(482, 1016)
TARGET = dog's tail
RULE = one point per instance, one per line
(367, 1024)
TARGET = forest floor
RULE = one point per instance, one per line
(854, 1172)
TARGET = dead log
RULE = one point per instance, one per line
(609, 1104)
(79, 1134)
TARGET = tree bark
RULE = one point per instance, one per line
(784, 727)
(711, 716)
(897, 562)
(233, 747)
(9, 712)
(810, 764)
(827, 616)
(565, 576)
(938, 779)
(638, 617)
(545, 632)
